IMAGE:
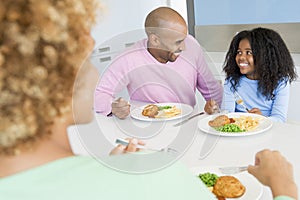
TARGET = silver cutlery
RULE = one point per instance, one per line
(233, 170)
(208, 145)
(189, 118)
(239, 100)
(126, 142)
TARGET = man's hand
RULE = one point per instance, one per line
(120, 108)
(211, 107)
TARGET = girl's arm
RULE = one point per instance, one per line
(281, 101)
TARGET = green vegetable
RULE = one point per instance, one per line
(209, 179)
(164, 107)
(230, 128)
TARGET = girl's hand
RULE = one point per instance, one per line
(255, 111)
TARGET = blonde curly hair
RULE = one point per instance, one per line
(42, 45)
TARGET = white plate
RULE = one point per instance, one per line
(264, 125)
(254, 188)
(185, 110)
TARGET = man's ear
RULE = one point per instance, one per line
(154, 40)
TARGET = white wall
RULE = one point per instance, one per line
(119, 16)
(236, 12)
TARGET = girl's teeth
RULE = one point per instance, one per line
(243, 64)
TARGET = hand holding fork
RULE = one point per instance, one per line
(240, 101)
(211, 107)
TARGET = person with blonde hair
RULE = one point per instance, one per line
(43, 47)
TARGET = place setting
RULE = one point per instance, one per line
(234, 124)
(229, 182)
(160, 112)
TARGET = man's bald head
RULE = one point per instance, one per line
(164, 18)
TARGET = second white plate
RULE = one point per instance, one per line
(185, 110)
(264, 125)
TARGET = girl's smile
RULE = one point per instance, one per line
(244, 59)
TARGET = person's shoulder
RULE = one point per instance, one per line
(283, 81)
(283, 85)
(193, 51)
(191, 40)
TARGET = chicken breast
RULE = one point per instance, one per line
(150, 111)
(228, 187)
(221, 120)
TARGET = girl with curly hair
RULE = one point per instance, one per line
(259, 69)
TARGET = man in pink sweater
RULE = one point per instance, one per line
(168, 66)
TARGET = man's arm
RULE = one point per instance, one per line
(111, 83)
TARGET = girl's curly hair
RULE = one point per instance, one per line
(42, 45)
(272, 60)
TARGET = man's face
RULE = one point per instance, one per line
(168, 43)
(171, 46)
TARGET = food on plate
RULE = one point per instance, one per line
(238, 124)
(154, 111)
(223, 186)
(209, 179)
(230, 128)
(221, 120)
(150, 110)
(164, 107)
(169, 112)
(247, 122)
(228, 187)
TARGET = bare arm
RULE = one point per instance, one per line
(273, 170)
(131, 147)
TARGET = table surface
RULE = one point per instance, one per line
(198, 149)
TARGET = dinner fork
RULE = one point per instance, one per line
(239, 100)
(233, 170)
(126, 142)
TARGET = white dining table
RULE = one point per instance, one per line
(196, 148)
(240, 151)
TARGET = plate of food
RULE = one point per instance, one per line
(241, 186)
(235, 124)
(161, 111)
